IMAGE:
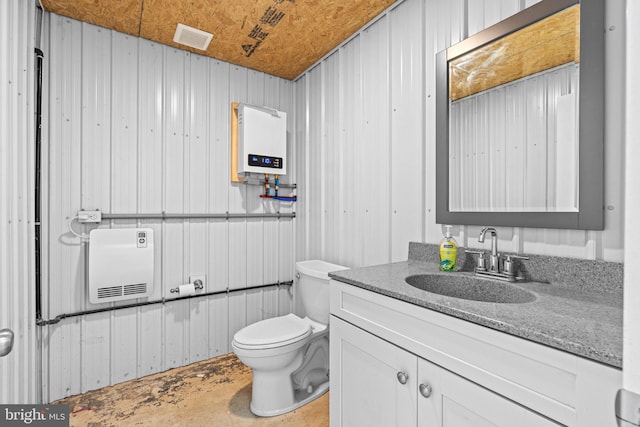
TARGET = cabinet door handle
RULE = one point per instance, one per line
(402, 377)
(425, 390)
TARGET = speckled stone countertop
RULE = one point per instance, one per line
(586, 322)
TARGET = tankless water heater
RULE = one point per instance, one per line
(262, 140)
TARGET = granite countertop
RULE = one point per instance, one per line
(587, 323)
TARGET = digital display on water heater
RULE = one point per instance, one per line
(265, 161)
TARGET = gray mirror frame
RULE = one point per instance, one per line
(590, 214)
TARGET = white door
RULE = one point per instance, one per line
(631, 367)
(373, 383)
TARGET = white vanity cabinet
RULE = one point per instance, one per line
(397, 364)
(375, 383)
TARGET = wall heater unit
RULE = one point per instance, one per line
(120, 264)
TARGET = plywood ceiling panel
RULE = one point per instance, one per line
(119, 15)
(279, 37)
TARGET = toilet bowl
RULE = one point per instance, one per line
(289, 355)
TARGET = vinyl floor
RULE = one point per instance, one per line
(212, 393)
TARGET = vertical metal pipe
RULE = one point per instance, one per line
(38, 160)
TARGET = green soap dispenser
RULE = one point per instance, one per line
(448, 251)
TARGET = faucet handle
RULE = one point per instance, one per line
(509, 265)
(482, 262)
(517, 257)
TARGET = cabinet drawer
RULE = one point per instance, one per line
(533, 375)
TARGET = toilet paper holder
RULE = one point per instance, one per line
(196, 284)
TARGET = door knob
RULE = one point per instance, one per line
(425, 390)
(402, 377)
(6, 341)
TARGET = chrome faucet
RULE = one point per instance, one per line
(494, 260)
(494, 270)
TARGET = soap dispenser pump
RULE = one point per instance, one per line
(448, 251)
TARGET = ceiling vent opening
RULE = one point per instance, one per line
(192, 37)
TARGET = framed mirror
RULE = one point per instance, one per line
(520, 121)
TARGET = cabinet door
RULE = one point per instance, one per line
(367, 376)
(459, 402)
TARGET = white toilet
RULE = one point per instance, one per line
(289, 355)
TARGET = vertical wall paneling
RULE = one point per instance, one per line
(124, 160)
(238, 92)
(138, 127)
(315, 183)
(19, 371)
(175, 181)
(95, 182)
(374, 189)
(285, 227)
(352, 104)
(219, 101)
(197, 139)
(484, 13)
(332, 153)
(61, 199)
(395, 114)
(150, 189)
(302, 160)
(218, 167)
(407, 139)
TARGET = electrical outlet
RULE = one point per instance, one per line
(203, 279)
(90, 216)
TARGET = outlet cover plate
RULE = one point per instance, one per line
(89, 216)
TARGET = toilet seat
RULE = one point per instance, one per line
(272, 333)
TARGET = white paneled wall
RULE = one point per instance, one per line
(137, 127)
(18, 370)
(366, 133)
(361, 110)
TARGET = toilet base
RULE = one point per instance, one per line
(300, 394)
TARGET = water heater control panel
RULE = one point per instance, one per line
(265, 161)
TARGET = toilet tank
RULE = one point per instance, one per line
(313, 286)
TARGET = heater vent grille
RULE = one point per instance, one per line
(137, 288)
(192, 37)
(110, 292)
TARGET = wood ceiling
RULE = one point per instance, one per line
(279, 37)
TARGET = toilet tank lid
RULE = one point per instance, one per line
(317, 268)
